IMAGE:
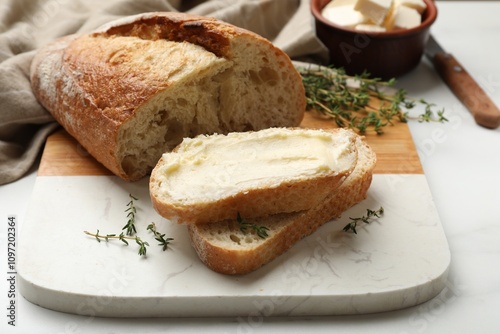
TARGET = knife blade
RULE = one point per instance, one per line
(463, 85)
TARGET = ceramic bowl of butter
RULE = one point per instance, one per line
(385, 38)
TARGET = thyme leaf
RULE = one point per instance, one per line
(361, 102)
(261, 231)
(130, 230)
(130, 226)
(122, 237)
(159, 237)
(370, 216)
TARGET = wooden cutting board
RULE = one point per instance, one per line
(396, 152)
(398, 261)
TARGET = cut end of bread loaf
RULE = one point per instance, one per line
(225, 248)
(254, 174)
(135, 88)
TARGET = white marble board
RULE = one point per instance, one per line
(398, 261)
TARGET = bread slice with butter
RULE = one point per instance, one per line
(225, 248)
(254, 174)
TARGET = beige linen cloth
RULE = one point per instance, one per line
(26, 25)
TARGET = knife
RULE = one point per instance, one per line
(463, 85)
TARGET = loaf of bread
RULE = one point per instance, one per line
(254, 174)
(226, 249)
(133, 89)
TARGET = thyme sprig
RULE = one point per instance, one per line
(159, 237)
(361, 102)
(130, 230)
(130, 226)
(370, 216)
(122, 237)
(244, 226)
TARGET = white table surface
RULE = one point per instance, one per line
(462, 164)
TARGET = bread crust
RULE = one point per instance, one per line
(212, 34)
(285, 229)
(61, 93)
(77, 78)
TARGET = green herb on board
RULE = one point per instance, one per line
(370, 216)
(159, 237)
(130, 230)
(360, 102)
(130, 226)
(122, 237)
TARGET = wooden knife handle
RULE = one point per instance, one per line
(467, 90)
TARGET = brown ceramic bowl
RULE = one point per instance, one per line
(382, 54)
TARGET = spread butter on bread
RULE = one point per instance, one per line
(254, 174)
(134, 88)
